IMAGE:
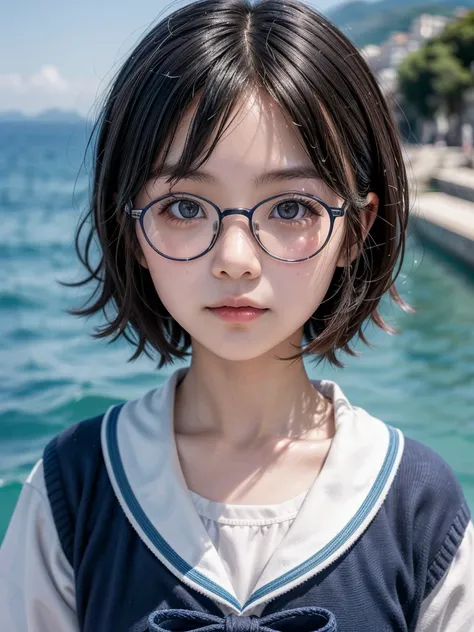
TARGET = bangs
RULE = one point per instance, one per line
(204, 134)
(297, 67)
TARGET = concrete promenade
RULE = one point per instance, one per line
(442, 199)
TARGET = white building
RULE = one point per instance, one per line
(427, 26)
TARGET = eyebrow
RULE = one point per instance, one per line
(277, 175)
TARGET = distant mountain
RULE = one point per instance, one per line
(47, 116)
(13, 115)
(372, 22)
(59, 116)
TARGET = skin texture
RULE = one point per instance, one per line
(249, 428)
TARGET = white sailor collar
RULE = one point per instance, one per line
(142, 462)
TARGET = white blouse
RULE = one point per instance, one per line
(246, 536)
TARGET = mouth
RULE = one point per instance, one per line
(243, 313)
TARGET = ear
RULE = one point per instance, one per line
(367, 218)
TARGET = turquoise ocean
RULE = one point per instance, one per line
(52, 373)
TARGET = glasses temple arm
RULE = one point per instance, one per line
(133, 212)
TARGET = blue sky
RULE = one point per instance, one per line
(63, 54)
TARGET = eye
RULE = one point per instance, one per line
(297, 209)
(186, 209)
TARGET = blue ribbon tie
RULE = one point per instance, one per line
(308, 619)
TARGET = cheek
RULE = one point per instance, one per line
(165, 274)
(176, 283)
(305, 285)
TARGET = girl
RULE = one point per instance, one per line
(250, 203)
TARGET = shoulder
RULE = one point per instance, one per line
(76, 449)
(74, 474)
(86, 431)
(437, 525)
(70, 454)
(429, 509)
(427, 480)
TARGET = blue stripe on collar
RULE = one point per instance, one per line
(148, 528)
(342, 537)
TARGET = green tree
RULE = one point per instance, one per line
(416, 83)
(434, 78)
(451, 79)
(460, 36)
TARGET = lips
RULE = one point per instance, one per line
(237, 314)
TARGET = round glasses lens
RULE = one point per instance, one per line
(292, 226)
(180, 225)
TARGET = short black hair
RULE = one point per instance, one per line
(216, 51)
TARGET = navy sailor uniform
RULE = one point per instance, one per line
(105, 537)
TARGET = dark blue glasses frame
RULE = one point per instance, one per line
(333, 212)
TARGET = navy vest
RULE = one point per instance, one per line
(378, 585)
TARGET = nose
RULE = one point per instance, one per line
(236, 253)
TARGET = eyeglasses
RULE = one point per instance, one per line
(289, 227)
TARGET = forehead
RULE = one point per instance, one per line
(259, 138)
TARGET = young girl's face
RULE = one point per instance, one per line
(260, 139)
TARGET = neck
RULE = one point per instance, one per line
(245, 403)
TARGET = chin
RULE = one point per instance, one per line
(240, 348)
